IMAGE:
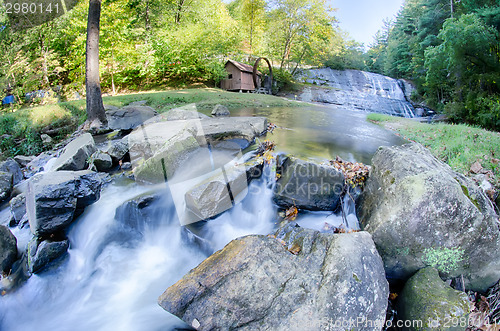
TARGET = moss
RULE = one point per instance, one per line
(356, 278)
(466, 193)
(444, 259)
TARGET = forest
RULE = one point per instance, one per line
(150, 43)
(449, 49)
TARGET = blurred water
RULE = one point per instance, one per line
(110, 282)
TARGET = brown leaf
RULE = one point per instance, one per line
(295, 249)
(476, 167)
(291, 213)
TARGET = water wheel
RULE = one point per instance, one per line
(256, 82)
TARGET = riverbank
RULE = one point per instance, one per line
(469, 150)
(26, 131)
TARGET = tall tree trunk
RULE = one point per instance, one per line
(96, 117)
(179, 11)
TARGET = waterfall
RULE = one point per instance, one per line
(359, 90)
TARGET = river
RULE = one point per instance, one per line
(108, 282)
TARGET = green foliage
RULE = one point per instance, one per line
(453, 60)
(444, 259)
(351, 56)
(458, 145)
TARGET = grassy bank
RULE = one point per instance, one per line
(21, 129)
(460, 146)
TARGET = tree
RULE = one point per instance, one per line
(296, 21)
(96, 117)
(253, 17)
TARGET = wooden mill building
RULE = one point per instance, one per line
(240, 77)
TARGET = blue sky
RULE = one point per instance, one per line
(362, 18)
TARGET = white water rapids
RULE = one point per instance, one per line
(108, 283)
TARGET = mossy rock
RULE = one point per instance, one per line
(430, 304)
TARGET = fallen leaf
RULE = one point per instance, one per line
(291, 213)
(295, 249)
(476, 167)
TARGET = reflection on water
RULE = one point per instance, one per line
(324, 132)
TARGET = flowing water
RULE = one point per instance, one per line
(110, 282)
(358, 90)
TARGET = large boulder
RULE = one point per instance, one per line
(422, 213)
(129, 117)
(42, 253)
(308, 185)
(5, 185)
(116, 148)
(53, 199)
(102, 161)
(426, 299)
(334, 282)
(23, 160)
(39, 163)
(224, 128)
(8, 249)
(13, 168)
(188, 112)
(76, 154)
(165, 161)
(216, 194)
(159, 148)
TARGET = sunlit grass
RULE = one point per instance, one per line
(458, 145)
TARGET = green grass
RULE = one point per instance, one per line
(205, 99)
(24, 126)
(458, 145)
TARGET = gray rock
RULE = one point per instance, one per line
(75, 155)
(354, 89)
(102, 161)
(138, 103)
(8, 249)
(256, 283)
(12, 167)
(428, 299)
(184, 113)
(158, 149)
(163, 164)
(5, 185)
(46, 139)
(308, 185)
(110, 107)
(216, 195)
(53, 198)
(422, 213)
(23, 160)
(224, 128)
(117, 148)
(18, 207)
(41, 254)
(38, 163)
(134, 217)
(220, 110)
(129, 117)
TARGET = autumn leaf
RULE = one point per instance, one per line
(291, 213)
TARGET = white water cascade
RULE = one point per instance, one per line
(359, 90)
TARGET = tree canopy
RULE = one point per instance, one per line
(451, 50)
(150, 43)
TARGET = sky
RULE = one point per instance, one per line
(363, 18)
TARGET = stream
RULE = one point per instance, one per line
(108, 283)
